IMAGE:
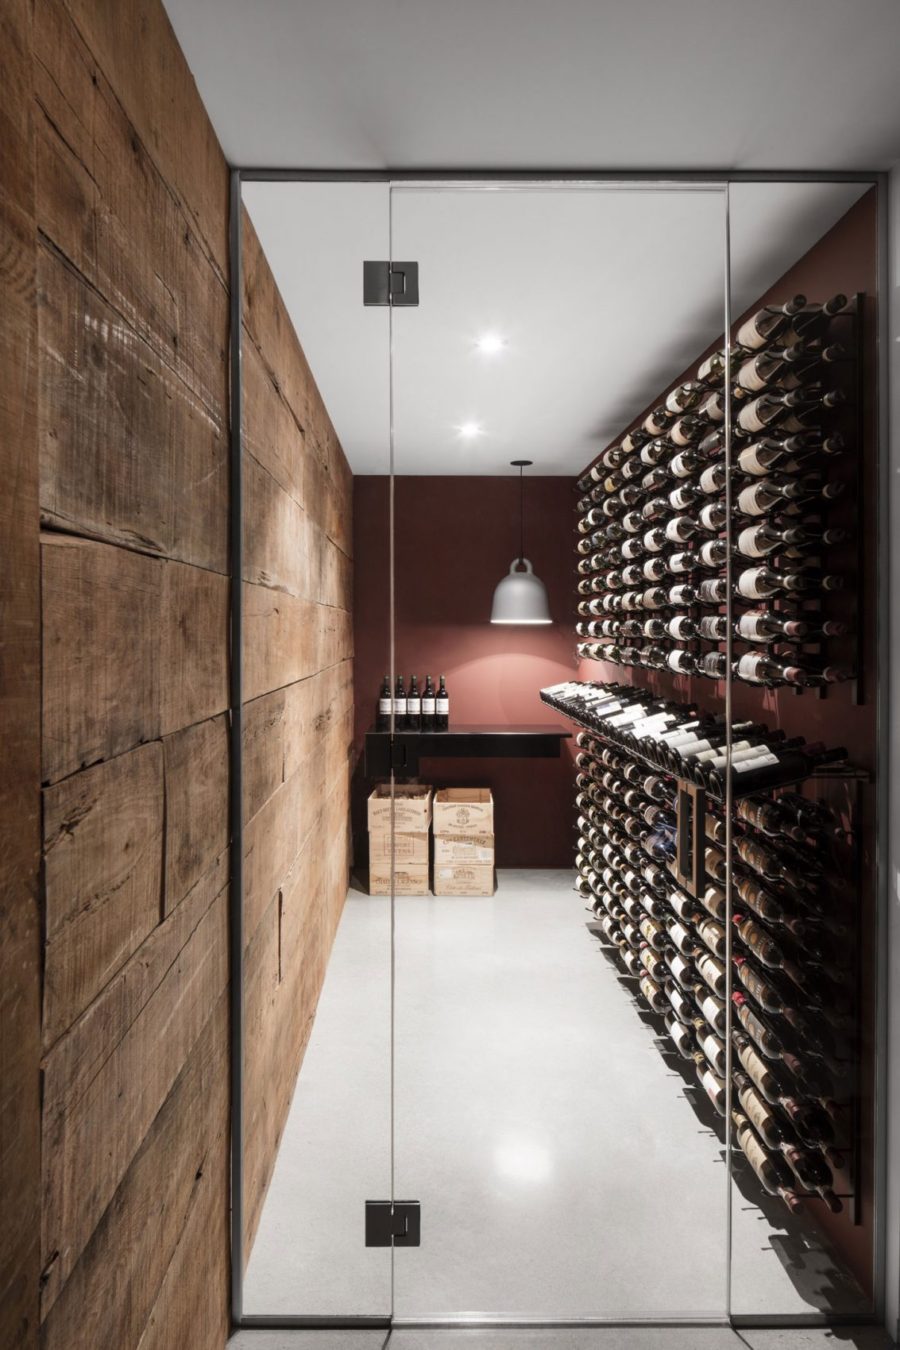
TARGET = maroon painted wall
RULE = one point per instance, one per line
(844, 260)
(455, 539)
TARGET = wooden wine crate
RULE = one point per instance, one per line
(464, 811)
(409, 847)
(411, 807)
(409, 879)
(463, 879)
(474, 849)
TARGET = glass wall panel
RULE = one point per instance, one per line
(559, 1102)
(316, 1065)
(803, 497)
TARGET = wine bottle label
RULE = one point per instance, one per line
(752, 626)
(752, 500)
(650, 990)
(399, 707)
(752, 543)
(713, 1087)
(758, 1113)
(714, 407)
(748, 335)
(750, 378)
(752, 667)
(414, 706)
(709, 480)
(680, 466)
(753, 585)
(710, 516)
(680, 936)
(679, 661)
(679, 595)
(758, 762)
(712, 1010)
(675, 530)
(385, 705)
(428, 706)
(680, 562)
(749, 418)
(714, 1051)
(442, 706)
(681, 969)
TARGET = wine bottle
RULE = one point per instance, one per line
(399, 705)
(713, 479)
(385, 706)
(762, 1118)
(759, 583)
(763, 1036)
(769, 366)
(757, 668)
(652, 993)
(792, 409)
(686, 429)
(711, 1083)
(413, 706)
(684, 397)
(765, 626)
(655, 422)
(713, 1049)
(767, 323)
(442, 707)
(756, 1068)
(761, 456)
(766, 494)
(812, 321)
(681, 1035)
(769, 1169)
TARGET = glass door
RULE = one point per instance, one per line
(558, 1107)
(803, 941)
(316, 1056)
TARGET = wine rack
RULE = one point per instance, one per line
(654, 542)
(789, 1005)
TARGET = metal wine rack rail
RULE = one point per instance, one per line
(847, 559)
(818, 1031)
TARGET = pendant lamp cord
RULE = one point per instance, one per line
(521, 513)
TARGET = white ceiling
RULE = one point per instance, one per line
(525, 83)
(602, 295)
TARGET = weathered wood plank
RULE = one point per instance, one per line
(196, 785)
(287, 639)
(101, 652)
(194, 645)
(301, 449)
(90, 1144)
(103, 854)
(285, 968)
(81, 1053)
(295, 812)
(19, 697)
(285, 549)
(137, 1249)
(135, 48)
(281, 727)
(128, 454)
(103, 203)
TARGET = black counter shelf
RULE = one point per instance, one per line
(403, 750)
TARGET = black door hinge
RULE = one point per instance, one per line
(390, 283)
(395, 1223)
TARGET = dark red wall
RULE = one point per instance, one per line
(455, 539)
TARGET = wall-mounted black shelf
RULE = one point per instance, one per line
(403, 751)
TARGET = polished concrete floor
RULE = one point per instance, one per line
(567, 1163)
(599, 1338)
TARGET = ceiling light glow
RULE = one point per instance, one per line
(489, 344)
(469, 430)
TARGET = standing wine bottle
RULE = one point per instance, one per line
(442, 707)
(385, 705)
(413, 706)
(428, 703)
(399, 705)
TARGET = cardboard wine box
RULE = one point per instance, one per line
(408, 847)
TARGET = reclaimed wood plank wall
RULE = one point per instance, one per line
(114, 275)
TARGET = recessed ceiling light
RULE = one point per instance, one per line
(489, 344)
(469, 430)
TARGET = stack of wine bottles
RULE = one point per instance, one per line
(427, 709)
(653, 537)
(773, 973)
(679, 739)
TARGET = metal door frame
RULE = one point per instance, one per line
(590, 178)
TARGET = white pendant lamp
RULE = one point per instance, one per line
(521, 597)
